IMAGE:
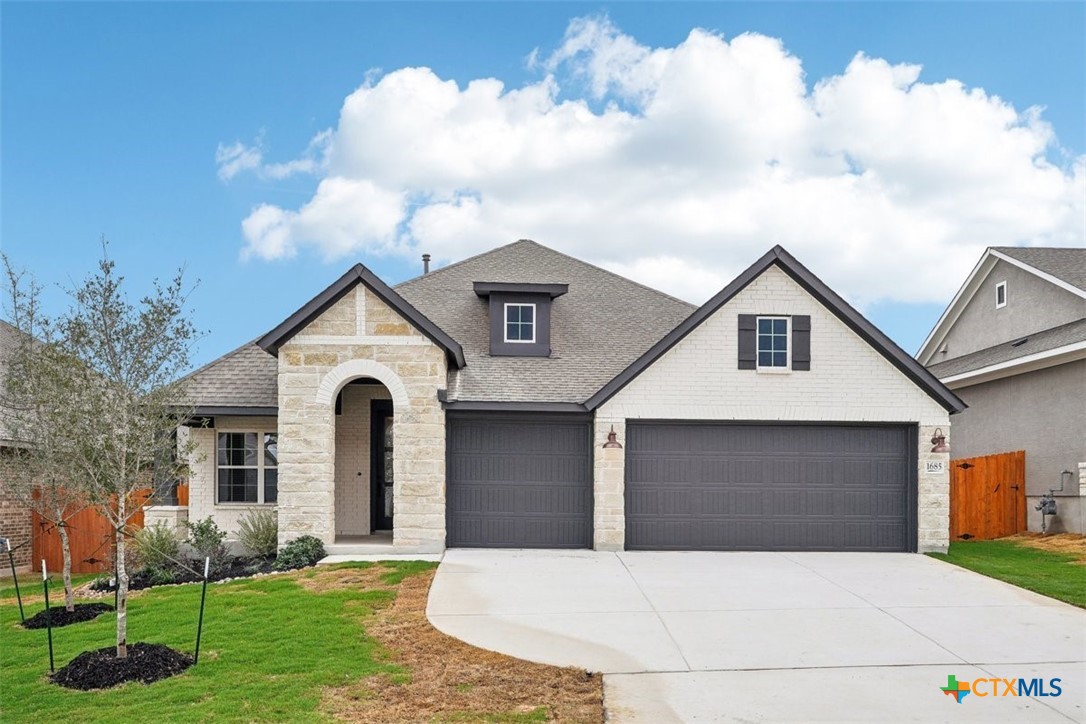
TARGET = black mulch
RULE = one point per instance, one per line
(235, 568)
(63, 617)
(102, 669)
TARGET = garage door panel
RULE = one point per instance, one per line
(719, 486)
(518, 482)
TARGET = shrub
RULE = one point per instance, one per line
(299, 553)
(160, 576)
(208, 541)
(259, 533)
(157, 546)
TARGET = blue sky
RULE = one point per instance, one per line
(112, 115)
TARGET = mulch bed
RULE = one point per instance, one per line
(236, 568)
(62, 617)
(102, 669)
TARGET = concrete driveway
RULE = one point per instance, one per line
(828, 637)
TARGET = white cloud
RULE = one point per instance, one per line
(680, 166)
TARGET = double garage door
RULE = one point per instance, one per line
(697, 486)
(526, 482)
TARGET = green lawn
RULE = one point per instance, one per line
(269, 645)
(1051, 574)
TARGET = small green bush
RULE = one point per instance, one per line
(208, 541)
(299, 553)
(157, 546)
(259, 533)
(160, 576)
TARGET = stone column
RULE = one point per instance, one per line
(609, 482)
(933, 506)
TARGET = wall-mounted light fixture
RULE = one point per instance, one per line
(612, 440)
(938, 441)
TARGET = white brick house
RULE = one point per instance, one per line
(473, 406)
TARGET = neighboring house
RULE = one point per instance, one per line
(16, 520)
(1012, 344)
(475, 406)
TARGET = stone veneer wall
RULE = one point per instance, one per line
(360, 336)
(699, 379)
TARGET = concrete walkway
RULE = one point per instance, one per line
(769, 636)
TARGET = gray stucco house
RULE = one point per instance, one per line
(1012, 344)
(524, 398)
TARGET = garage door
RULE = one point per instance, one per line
(519, 481)
(697, 486)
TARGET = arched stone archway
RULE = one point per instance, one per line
(334, 380)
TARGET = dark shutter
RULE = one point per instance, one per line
(801, 342)
(748, 342)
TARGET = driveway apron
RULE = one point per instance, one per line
(690, 636)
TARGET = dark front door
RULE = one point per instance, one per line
(519, 481)
(381, 453)
(713, 486)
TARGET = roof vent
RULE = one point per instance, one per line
(1019, 342)
(425, 263)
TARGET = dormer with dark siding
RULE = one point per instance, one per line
(520, 317)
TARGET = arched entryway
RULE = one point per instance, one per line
(365, 397)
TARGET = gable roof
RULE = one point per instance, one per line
(814, 286)
(359, 274)
(598, 327)
(1063, 267)
(1064, 264)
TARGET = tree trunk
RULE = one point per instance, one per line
(66, 549)
(122, 586)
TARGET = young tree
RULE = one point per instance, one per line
(131, 401)
(38, 386)
(115, 399)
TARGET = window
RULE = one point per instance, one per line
(520, 323)
(248, 467)
(772, 343)
(1001, 295)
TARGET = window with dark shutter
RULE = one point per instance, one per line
(748, 341)
(801, 342)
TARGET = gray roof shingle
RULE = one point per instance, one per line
(598, 328)
(1066, 264)
(246, 377)
(1038, 342)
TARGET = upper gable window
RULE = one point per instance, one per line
(520, 323)
(1001, 295)
(773, 343)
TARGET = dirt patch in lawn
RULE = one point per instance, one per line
(449, 680)
(1073, 544)
(322, 580)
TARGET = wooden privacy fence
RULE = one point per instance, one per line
(988, 496)
(90, 536)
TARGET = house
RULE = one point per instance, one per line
(1012, 344)
(16, 520)
(524, 398)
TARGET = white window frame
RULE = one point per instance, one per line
(260, 467)
(505, 322)
(787, 345)
(1001, 286)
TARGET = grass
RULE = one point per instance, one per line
(347, 642)
(30, 585)
(1055, 574)
(269, 647)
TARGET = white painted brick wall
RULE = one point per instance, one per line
(202, 481)
(848, 382)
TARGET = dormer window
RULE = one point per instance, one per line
(520, 317)
(520, 323)
(1001, 295)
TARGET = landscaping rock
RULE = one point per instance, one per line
(101, 669)
(63, 617)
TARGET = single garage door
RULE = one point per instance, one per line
(699, 486)
(519, 481)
